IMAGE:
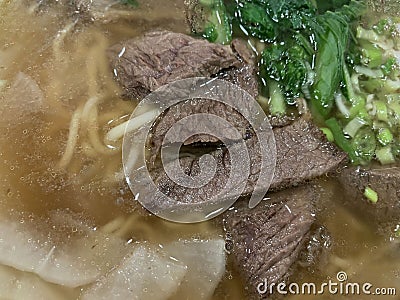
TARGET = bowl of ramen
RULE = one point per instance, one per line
(199, 149)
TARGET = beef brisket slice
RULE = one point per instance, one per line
(303, 153)
(143, 64)
(205, 109)
(384, 181)
(267, 239)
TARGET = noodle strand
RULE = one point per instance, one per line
(72, 139)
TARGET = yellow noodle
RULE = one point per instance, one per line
(113, 116)
(91, 66)
(60, 39)
(133, 124)
(93, 134)
(72, 139)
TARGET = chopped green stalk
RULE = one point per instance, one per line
(364, 145)
(381, 111)
(357, 107)
(368, 34)
(384, 136)
(328, 133)
(354, 126)
(376, 73)
(389, 66)
(372, 54)
(385, 155)
(385, 27)
(341, 105)
(373, 85)
(395, 107)
(277, 103)
(371, 195)
(357, 101)
(355, 82)
(391, 86)
(349, 87)
(341, 140)
(363, 114)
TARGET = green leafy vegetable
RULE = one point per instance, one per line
(288, 64)
(349, 74)
(364, 145)
(332, 43)
(256, 22)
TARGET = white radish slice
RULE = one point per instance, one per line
(73, 258)
(17, 285)
(144, 275)
(206, 266)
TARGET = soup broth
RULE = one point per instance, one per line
(67, 59)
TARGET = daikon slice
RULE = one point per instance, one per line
(17, 285)
(146, 274)
(72, 257)
(205, 260)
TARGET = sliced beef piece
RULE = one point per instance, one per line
(198, 107)
(143, 64)
(385, 181)
(267, 240)
(303, 153)
(191, 167)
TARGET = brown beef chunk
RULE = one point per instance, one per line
(267, 240)
(143, 64)
(303, 153)
(385, 181)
